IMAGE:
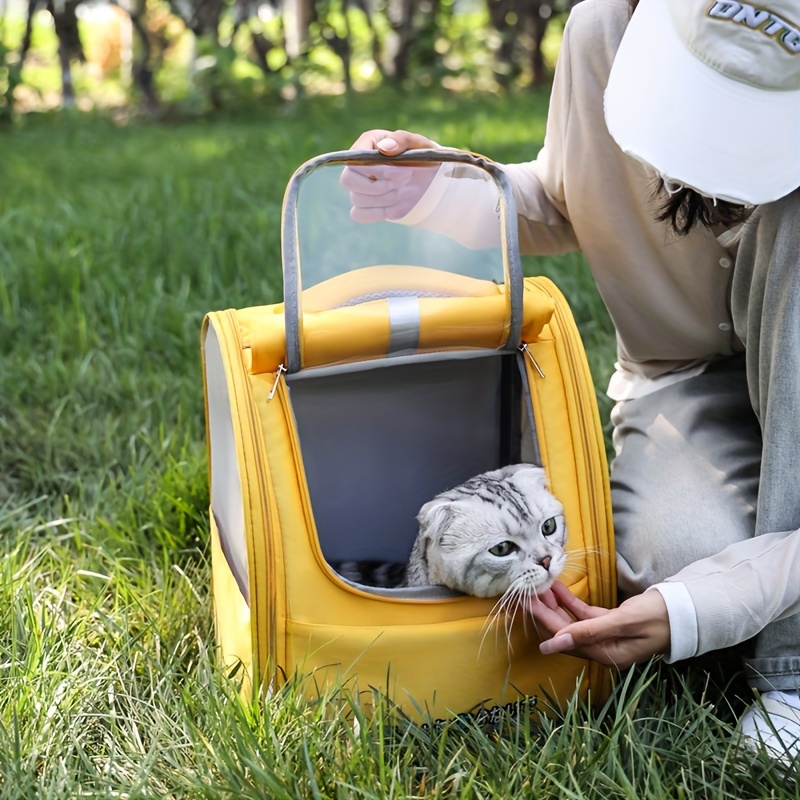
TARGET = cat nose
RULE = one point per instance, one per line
(545, 562)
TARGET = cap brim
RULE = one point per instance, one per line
(694, 126)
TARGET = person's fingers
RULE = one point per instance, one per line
(399, 141)
(375, 180)
(373, 190)
(561, 643)
(620, 653)
(576, 640)
(361, 180)
(385, 200)
(369, 139)
(573, 604)
(560, 626)
(382, 192)
(367, 215)
(597, 629)
(551, 619)
(549, 599)
(634, 632)
(392, 143)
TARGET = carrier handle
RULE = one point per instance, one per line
(290, 232)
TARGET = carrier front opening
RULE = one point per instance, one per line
(379, 440)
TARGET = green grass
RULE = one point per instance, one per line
(113, 244)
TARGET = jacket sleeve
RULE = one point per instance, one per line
(740, 590)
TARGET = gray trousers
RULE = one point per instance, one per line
(715, 459)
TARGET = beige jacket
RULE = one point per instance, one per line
(668, 296)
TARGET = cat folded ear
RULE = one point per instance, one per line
(434, 517)
(510, 469)
(513, 469)
(530, 473)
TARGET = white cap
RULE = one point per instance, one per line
(708, 94)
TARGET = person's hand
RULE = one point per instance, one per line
(382, 192)
(618, 637)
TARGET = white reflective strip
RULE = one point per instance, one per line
(404, 319)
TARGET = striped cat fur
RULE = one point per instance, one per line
(499, 533)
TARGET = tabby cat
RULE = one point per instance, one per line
(500, 532)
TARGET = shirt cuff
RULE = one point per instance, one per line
(682, 620)
(430, 200)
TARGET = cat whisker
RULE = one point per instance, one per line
(515, 600)
(582, 550)
(519, 596)
(574, 565)
(507, 606)
(526, 601)
(571, 570)
(492, 618)
(512, 605)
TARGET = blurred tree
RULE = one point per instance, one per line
(410, 42)
(415, 27)
(214, 51)
(65, 20)
(297, 17)
(149, 53)
(9, 70)
(201, 17)
(522, 25)
(248, 18)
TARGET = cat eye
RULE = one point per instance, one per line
(549, 526)
(503, 549)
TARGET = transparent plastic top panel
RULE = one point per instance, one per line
(415, 240)
(438, 216)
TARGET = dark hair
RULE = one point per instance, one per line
(686, 207)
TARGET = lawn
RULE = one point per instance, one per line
(114, 242)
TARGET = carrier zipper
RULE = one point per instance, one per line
(526, 350)
(602, 676)
(248, 417)
(269, 555)
(281, 370)
(282, 390)
(586, 433)
(578, 369)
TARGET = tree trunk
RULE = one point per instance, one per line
(401, 41)
(538, 30)
(65, 20)
(297, 16)
(375, 45)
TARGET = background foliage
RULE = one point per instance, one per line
(190, 56)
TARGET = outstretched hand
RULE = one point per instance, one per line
(635, 631)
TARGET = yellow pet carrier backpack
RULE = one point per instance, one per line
(408, 356)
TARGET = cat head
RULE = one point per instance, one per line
(500, 531)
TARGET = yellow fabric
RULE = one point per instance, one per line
(474, 314)
(231, 614)
(425, 654)
(362, 282)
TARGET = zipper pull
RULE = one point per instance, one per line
(524, 348)
(281, 370)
